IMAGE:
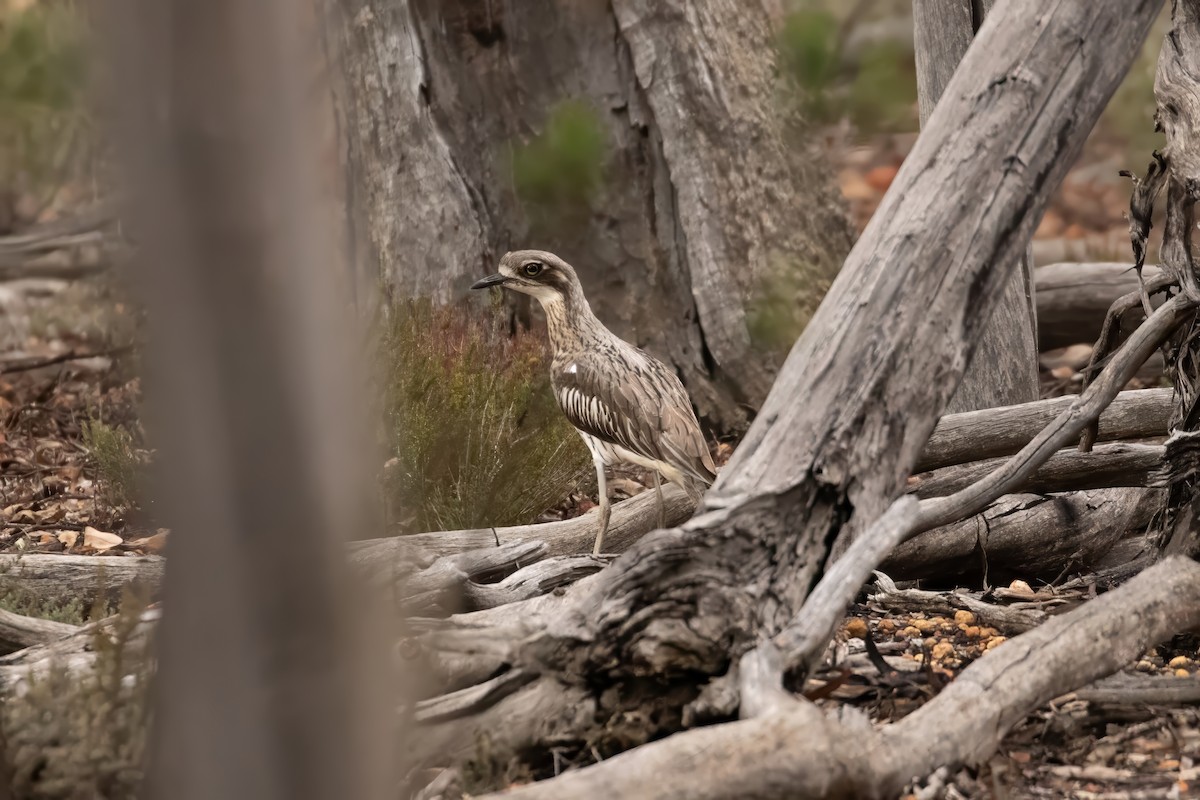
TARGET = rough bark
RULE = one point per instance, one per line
(846, 421)
(690, 220)
(1004, 369)
(1073, 299)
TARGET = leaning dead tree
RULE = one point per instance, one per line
(717, 619)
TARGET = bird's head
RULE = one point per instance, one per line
(535, 272)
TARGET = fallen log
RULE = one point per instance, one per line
(992, 432)
(1026, 536)
(1107, 466)
(1073, 299)
(62, 579)
(76, 653)
(631, 519)
(18, 631)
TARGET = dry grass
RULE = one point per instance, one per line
(475, 434)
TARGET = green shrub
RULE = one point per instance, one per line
(111, 449)
(476, 435)
(558, 174)
(875, 89)
(782, 303)
(42, 74)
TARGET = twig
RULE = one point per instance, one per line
(25, 365)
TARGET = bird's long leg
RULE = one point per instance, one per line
(602, 489)
(662, 509)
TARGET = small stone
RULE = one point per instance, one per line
(1144, 666)
(972, 631)
(1179, 662)
(910, 633)
(924, 625)
(964, 617)
(1182, 673)
(941, 650)
(988, 633)
(856, 628)
(1020, 586)
(885, 626)
(995, 642)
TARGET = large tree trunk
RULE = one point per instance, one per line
(709, 189)
(1004, 368)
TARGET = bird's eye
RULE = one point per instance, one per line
(532, 269)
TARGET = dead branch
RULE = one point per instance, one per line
(76, 652)
(1067, 426)
(992, 432)
(8, 367)
(802, 752)
(18, 631)
(1127, 689)
(1009, 537)
(1074, 299)
(1004, 618)
(1111, 465)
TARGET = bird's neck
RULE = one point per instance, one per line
(570, 321)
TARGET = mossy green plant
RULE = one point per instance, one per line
(475, 434)
(111, 449)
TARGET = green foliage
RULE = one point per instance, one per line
(42, 74)
(83, 734)
(876, 89)
(562, 169)
(111, 449)
(473, 427)
(784, 301)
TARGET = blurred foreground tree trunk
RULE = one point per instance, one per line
(646, 142)
(1004, 369)
(263, 689)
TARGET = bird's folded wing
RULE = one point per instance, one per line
(642, 408)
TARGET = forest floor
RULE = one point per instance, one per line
(71, 444)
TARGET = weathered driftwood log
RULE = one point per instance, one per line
(991, 432)
(1115, 464)
(1074, 298)
(799, 751)
(1027, 536)
(845, 423)
(62, 579)
(18, 631)
(397, 556)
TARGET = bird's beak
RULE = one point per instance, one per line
(490, 280)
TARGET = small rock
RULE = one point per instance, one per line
(972, 631)
(995, 642)
(1179, 662)
(856, 628)
(941, 650)
(924, 625)
(1144, 666)
(910, 633)
(964, 617)
(1182, 673)
(1020, 586)
(885, 626)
